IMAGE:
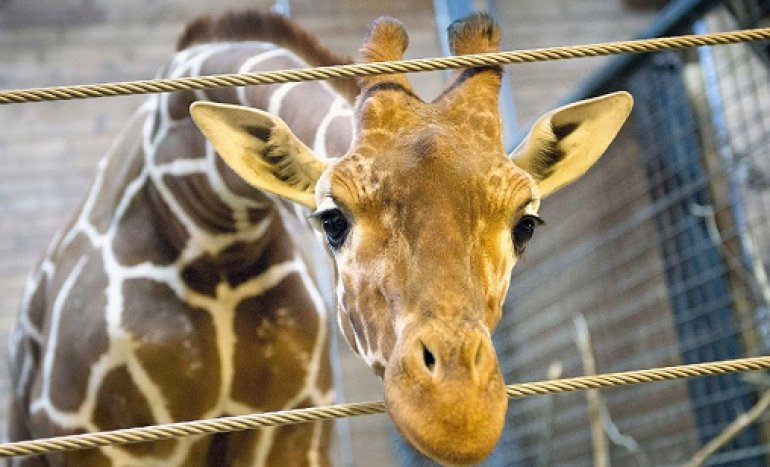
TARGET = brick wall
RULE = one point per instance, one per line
(49, 151)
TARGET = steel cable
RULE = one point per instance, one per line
(248, 422)
(366, 69)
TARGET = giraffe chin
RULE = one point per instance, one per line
(455, 423)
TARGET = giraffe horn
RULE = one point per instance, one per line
(385, 40)
(477, 33)
(474, 34)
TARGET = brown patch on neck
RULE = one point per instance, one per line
(82, 310)
(121, 404)
(175, 342)
(251, 25)
(275, 334)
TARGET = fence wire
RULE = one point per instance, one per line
(378, 68)
(669, 265)
(289, 417)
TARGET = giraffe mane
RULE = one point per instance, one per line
(252, 25)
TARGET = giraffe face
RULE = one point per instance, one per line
(424, 233)
(425, 218)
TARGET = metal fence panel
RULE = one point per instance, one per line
(663, 248)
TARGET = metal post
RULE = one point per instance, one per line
(283, 7)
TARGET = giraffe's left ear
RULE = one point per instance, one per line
(261, 148)
(564, 143)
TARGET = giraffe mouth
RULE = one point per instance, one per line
(445, 394)
(456, 427)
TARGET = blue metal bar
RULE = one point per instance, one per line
(675, 17)
(671, 20)
(283, 7)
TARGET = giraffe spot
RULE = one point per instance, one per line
(123, 165)
(179, 104)
(240, 261)
(228, 95)
(202, 275)
(427, 144)
(293, 442)
(24, 361)
(121, 404)
(236, 185)
(259, 96)
(82, 335)
(36, 303)
(137, 239)
(201, 203)
(378, 369)
(256, 215)
(17, 427)
(176, 344)
(41, 426)
(231, 449)
(268, 382)
(164, 220)
(183, 140)
(232, 60)
(280, 60)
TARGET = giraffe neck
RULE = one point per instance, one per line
(213, 215)
(194, 281)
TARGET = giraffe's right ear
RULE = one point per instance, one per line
(261, 149)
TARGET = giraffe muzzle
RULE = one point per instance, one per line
(445, 392)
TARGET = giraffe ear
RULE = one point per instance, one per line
(564, 143)
(261, 149)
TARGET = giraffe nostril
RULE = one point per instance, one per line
(477, 360)
(427, 358)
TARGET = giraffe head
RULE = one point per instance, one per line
(425, 217)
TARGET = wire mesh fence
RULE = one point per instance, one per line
(663, 249)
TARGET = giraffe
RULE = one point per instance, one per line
(177, 291)
(184, 269)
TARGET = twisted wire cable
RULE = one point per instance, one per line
(366, 69)
(247, 422)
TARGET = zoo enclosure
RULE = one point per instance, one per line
(665, 258)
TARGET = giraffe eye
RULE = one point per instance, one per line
(524, 230)
(335, 226)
